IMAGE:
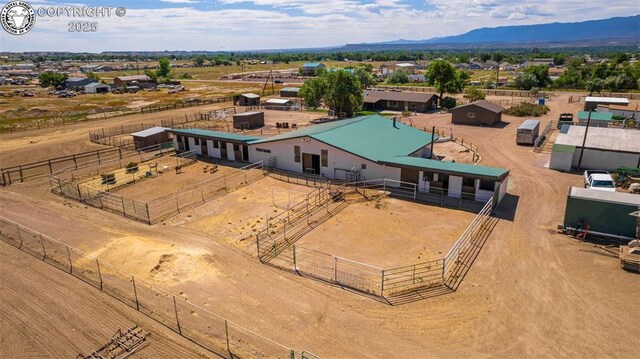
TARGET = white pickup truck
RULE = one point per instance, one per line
(599, 180)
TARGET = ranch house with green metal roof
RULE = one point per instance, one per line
(358, 149)
(374, 147)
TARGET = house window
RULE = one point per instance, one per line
(412, 105)
(393, 103)
(296, 154)
(216, 144)
(363, 166)
(469, 182)
(324, 158)
(471, 115)
(258, 149)
(487, 185)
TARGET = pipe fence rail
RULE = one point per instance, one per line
(543, 137)
(276, 244)
(209, 330)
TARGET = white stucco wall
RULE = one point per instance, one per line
(230, 154)
(561, 161)
(455, 186)
(604, 160)
(482, 195)
(338, 159)
(503, 189)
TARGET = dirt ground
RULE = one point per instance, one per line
(530, 293)
(169, 181)
(450, 150)
(389, 234)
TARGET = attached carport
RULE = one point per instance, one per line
(451, 179)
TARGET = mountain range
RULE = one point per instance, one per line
(613, 31)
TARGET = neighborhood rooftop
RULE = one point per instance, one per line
(600, 116)
(250, 95)
(616, 100)
(370, 137)
(149, 131)
(375, 96)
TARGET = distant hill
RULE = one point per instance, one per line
(617, 30)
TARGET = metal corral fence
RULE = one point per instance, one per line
(43, 168)
(64, 182)
(490, 92)
(207, 329)
(276, 245)
(466, 240)
(198, 194)
(543, 137)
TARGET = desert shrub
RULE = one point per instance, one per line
(527, 109)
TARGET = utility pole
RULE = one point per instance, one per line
(584, 140)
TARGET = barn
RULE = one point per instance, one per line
(142, 81)
(221, 145)
(374, 147)
(96, 88)
(400, 101)
(151, 136)
(479, 113)
(604, 148)
(289, 92)
(248, 120)
(247, 99)
(591, 102)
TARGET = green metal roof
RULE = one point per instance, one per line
(214, 134)
(371, 137)
(448, 167)
(600, 116)
(291, 89)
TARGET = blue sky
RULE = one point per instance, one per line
(228, 25)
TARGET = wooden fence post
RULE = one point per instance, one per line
(226, 332)
(44, 251)
(135, 292)
(99, 273)
(70, 262)
(175, 308)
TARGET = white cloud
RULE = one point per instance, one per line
(300, 23)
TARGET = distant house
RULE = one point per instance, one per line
(538, 62)
(417, 78)
(95, 68)
(25, 66)
(77, 83)
(388, 69)
(96, 88)
(142, 81)
(247, 99)
(400, 101)
(311, 68)
(289, 92)
(556, 71)
(479, 113)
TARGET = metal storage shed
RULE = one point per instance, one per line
(248, 120)
(606, 212)
(151, 136)
(482, 113)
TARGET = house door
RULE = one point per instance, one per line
(409, 175)
(311, 163)
(223, 150)
(236, 152)
(245, 153)
(204, 148)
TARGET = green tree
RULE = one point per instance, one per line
(51, 78)
(541, 74)
(313, 90)
(152, 74)
(365, 75)
(198, 61)
(594, 86)
(399, 76)
(525, 81)
(473, 94)
(448, 103)
(164, 67)
(444, 77)
(343, 94)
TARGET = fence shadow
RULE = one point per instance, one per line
(469, 256)
(418, 294)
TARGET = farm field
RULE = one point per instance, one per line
(527, 289)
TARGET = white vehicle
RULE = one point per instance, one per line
(599, 180)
